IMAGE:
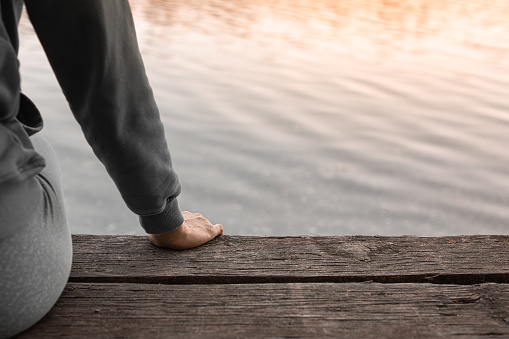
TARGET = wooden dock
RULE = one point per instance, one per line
(236, 286)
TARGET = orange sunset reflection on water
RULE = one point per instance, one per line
(359, 29)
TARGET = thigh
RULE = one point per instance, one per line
(35, 262)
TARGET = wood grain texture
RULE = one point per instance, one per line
(359, 310)
(241, 259)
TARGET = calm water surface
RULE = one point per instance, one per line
(312, 117)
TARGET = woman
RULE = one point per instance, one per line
(92, 48)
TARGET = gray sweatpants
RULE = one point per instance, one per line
(35, 262)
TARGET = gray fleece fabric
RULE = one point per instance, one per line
(93, 50)
(36, 262)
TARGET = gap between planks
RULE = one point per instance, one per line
(454, 279)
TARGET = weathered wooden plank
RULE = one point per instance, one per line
(240, 259)
(359, 310)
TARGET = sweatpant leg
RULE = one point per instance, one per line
(35, 263)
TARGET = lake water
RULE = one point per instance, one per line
(312, 117)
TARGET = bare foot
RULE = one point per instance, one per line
(195, 231)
